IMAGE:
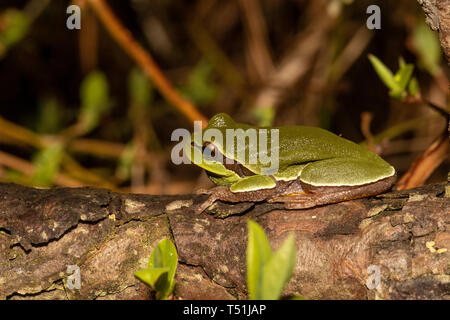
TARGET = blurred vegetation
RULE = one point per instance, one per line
(76, 109)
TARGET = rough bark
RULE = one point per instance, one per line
(111, 235)
(438, 18)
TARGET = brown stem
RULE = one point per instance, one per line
(426, 163)
(27, 168)
(143, 58)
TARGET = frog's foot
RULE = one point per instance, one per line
(205, 205)
(225, 194)
(215, 194)
(315, 196)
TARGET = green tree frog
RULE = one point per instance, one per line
(313, 166)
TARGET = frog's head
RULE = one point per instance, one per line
(225, 151)
(206, 152)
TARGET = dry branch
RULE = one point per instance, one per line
(111, 235)
(125, 39)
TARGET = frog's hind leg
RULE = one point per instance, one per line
(315, 196)
(345, 172)
(341, 171)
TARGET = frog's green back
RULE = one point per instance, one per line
(298, 144)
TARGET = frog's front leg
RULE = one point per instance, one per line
(252, 188)
(214, 194)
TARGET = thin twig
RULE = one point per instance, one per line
(437, 108)
(296, 62)
(98, 148)
(401, 128)
(258, 55)
(28, 169)
(22, 135)
(366, 119)
(145, 61)
(211, 50)
(426, 163)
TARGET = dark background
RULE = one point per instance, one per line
(41, 75)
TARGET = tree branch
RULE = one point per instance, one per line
(110, 235)
(438, 18)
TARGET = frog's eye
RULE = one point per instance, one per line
(212, 153)
(209, 146)
(209, 151)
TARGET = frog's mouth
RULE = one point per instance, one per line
(211, 152)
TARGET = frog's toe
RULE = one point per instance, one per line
(202, 191)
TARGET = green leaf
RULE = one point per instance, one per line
(47, 163)
(94, 94)
(397, 83)
(151, 276)
(164, 255)
(384, 73)
(403, 75)
(14, 176)
(258, 253)
(401, 62)
(278, 270)
(200, 89)
(428, 48)
(126, 159)
(160, 273)
(49, 116)
(413, 87)
(139, 87)
(14, 26)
